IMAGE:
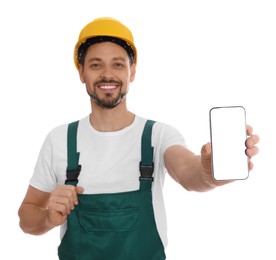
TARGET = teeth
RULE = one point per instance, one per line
(108, 87)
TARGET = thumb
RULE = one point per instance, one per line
(79, 189)
(206, 151)
(206, 156)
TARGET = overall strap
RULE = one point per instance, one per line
(146, 165)
(73, 167)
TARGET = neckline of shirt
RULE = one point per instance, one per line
(111, 133)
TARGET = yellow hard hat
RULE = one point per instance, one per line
(106, 27)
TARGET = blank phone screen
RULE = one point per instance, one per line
(228, 136)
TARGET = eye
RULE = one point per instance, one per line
(95, 65)
(118, 65)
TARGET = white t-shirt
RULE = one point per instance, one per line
(110, 162)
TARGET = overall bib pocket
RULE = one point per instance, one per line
(109, 220)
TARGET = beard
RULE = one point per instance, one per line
(108, 101)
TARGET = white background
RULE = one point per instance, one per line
(192, 55)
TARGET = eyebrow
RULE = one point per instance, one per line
(119, 58)
(99, 59)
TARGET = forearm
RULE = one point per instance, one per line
(192, 171)
(34, 219)
(194, 178)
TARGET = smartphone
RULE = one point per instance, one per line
(228, 136)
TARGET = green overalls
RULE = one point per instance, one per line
(117, 226)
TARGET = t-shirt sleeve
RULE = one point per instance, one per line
(166, 136)
(43, 177)
(171, 136)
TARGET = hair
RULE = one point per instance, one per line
(82, 50)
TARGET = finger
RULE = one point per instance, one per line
(250, 165)
(65, 194)
(67, 202)
(70, 191)
(252, 141)
(62, 204)
(61, 208)
(250, 152)
(249, 130)
(78, 190)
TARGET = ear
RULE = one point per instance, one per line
(81, 70)
(132, 72)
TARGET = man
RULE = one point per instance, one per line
(101, 178)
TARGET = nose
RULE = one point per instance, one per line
(107, 75)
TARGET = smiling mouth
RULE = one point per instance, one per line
(108, 87)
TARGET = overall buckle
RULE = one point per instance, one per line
(146, 171)
(73, 174)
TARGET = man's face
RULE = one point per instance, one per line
(107, 73)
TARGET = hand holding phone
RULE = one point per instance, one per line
(228, 136)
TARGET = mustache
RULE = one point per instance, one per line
(120, 83)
